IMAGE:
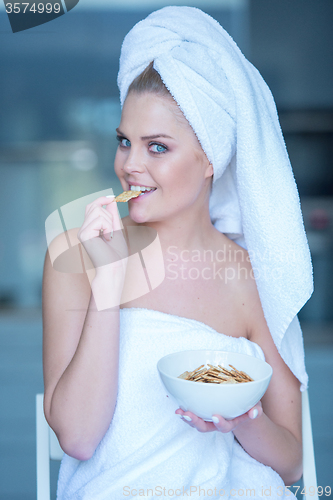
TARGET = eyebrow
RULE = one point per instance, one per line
(147, 137)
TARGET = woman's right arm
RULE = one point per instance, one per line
(80, 353)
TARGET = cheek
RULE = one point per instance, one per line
(185, 183)
(175, 177)
(118, 164)
(189, 172)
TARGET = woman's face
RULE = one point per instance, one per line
(158, 149)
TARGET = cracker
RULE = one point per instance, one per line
(127, 195)
(184, 375)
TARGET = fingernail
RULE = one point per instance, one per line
(187, 418)
(179, 415)
(109, 196)
(254, 414)
(215, 420)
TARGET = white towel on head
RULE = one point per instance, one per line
(231, 110)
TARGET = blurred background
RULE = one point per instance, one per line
(59, 107)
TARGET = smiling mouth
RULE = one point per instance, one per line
(143, 189)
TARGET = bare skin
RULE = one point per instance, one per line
(78, 345)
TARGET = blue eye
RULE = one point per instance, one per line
(158, 148)
(123, 141)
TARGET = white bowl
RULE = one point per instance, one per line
(205, 400)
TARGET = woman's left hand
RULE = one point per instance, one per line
(221, 423)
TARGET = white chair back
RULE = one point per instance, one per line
(47, 447)
(309, 465)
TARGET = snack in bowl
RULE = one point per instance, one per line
(127, 195)
(216, 375)
(207, 399)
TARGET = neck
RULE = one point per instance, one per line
(186, 231)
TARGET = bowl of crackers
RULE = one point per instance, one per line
(209, 383)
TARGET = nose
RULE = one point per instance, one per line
(134, 163)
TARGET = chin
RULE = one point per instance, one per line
(137, 217)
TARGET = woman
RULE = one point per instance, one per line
(200, 132)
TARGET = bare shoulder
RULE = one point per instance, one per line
(65, 282)
(240, 282)
(64, 287)
(234, 257)
(55, 274)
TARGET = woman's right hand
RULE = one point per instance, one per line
(102, 237)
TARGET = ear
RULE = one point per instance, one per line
(209, 172)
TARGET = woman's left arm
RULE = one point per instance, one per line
(275, 437)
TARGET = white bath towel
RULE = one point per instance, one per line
(148, 451)
(254, 198)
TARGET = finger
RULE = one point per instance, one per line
(94, 213)
(93, 229)
(112, 208)
(256, 411)
(195, 421)
(224, 425)
(102, 200)
(97, 225)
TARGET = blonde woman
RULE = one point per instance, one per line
(209, 158)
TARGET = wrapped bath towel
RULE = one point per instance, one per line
(148, 452)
